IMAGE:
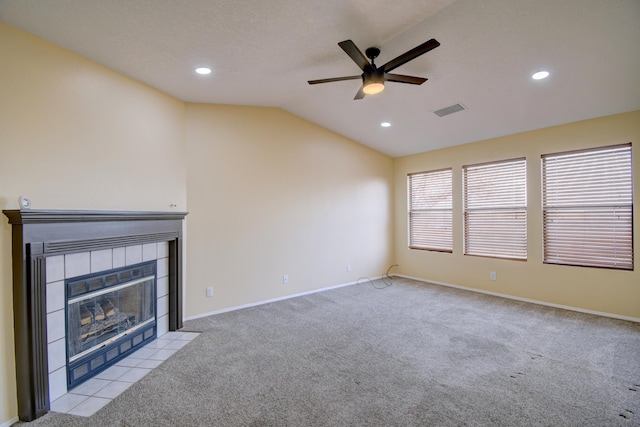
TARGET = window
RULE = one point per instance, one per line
(587, 204)
(430, 220)
(495, 209)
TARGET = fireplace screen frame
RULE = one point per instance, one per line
(91, 361)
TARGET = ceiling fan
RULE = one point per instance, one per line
(373, 77)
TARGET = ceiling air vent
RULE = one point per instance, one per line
(450, 110)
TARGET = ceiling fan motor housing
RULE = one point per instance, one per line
(373, 75)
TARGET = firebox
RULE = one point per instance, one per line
(108, 316)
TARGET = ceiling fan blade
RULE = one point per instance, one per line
(412, 54)
(352, 50)
(360, 93)
(399, 78)
(334, 79)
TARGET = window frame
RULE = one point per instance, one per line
(609, 248)
(489, 211)
(442, 241)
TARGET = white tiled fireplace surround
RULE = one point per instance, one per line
(61, 267)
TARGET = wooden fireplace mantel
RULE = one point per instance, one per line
(38, 234)
(37, 216)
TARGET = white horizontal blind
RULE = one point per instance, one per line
(587, 201)
(495, 209)
(430, 217)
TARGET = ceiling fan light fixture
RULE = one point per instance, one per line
(373, 82)
(372, 88)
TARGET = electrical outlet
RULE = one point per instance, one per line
(209, 292)
(492, 275)
(285, 279)
(348, 268)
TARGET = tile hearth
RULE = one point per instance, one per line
(89, 397)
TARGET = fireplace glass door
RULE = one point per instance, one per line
(108, 315)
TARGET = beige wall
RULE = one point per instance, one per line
(75, 135)
(271, 194)
(601, 290)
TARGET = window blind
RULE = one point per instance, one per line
(495, 209)
(588, 207)
(430, 210)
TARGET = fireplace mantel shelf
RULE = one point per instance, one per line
(42, 216)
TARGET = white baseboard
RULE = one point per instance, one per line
(9, 423)
(254, 304)
(532, 301)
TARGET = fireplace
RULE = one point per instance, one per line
(112, 278)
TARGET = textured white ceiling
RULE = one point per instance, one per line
(263, 52)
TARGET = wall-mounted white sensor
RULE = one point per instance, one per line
(24, 202)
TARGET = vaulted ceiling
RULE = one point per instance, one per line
(263, 52)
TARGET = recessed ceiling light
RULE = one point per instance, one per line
(385, 124)
(203, 70)
(540, 75)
